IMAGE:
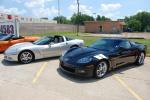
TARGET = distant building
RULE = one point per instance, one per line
(112, 27)
(121, 20)
(44, 18)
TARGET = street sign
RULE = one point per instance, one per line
(9, 25)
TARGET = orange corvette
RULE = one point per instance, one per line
(9, 40)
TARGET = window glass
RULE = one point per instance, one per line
(105, 44)
(125, 44)
(68, 39)
(5, 37)
(43, 41)
(61, 39)
(58, 39)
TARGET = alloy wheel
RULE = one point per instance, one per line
(101, 69)
(26, 57)
(141, 58)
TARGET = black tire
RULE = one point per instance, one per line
(102, 71)
(26, 57)
(74, 46)
(140, 59)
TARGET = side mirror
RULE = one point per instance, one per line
(50, 44)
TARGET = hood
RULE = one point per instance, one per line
(83, 52)
(18, 46)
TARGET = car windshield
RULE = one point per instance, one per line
(5, 37)
(2, 35)
(105, 44)
(43, 41)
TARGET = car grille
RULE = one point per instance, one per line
(67, 68)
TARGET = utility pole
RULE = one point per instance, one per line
(78, 4)
(95, 16)
(58, 21)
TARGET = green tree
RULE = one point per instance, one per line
(134, 25)
(62, 20)
(142, 19)
(75, 19)
(98, 18)
(102, 18)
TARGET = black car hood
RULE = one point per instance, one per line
(83, 52)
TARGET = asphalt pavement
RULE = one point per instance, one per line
(43, 80)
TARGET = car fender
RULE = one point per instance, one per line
(36, 52)
(100, 56)
(103, 57)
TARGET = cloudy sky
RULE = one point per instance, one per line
(48, 8)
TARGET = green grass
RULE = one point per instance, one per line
(90, 39)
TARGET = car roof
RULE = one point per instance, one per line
(115, 38)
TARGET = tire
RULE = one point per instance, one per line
(140, 59)
(74, 46)
(26, 57)
(101, 69)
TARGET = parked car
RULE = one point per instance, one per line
(103, 55)
(7, 40)
(42, 48)
(2, 35)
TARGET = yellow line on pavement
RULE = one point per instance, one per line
(127, 87)
(39, 73)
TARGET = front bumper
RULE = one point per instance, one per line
(10, 57)
(77, 70)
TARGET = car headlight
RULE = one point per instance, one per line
(11, 51)
(85, 60)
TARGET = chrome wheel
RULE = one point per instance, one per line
(141, 58)
(26, 57)
(101, 69)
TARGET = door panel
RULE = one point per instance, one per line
(63, 47)
(49, 51)
(125, 57)
(126, 53)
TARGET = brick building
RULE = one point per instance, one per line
(111, 27)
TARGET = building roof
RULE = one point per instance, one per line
(121, 22)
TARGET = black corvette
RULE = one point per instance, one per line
(103, 55)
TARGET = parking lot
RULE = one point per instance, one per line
(42, 80)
